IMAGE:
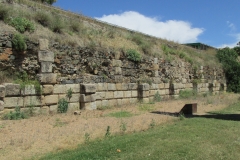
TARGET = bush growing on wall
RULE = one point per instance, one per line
(21, 24)
(228, 58)
(133, 55)
(18, 42)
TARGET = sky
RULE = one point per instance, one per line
(212, 22)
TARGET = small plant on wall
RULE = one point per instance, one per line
(133, 55)
(62, 105)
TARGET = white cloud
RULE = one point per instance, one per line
(231, 45)
(231, 26)
(175, 30)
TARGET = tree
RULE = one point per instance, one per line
(46, 1)
(231, 66)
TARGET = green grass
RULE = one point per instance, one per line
(121, 114)
(192, 138)
(146, 107)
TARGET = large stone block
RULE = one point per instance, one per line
(100, 95)
(145, 100)
(143, 87)
(51, 99)
(132, 86)
(53, 109)
(12, 89)
(12, 102)
(111, 86)
(118, 94)
(119, 86)
(48, 78)
(99, 103)
(43, 44)
(74, 87)
(119, 102)
(46, 67)
(1, 105)
(166, 85)
(127, 94)
(154, 86)
(88, 88)
(73, 107)
(161, 86)
(101, 86)
(134, 93)
(32, 101)
(88, 106)
(75, 98)
(45, 56)
(112, 102)
(162, 92)
(59, 89)
(29, 90)
(47, 89)
(142, 94)
(2, 91)
(133, 100)
(44, 110)
(109, 95)
(105, 102)
(87, 98)
(116, 63)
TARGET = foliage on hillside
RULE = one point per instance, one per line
(229, 58)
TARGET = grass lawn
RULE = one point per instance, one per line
(215, 136)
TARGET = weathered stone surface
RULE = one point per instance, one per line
(105, 102)
(132, 86)
(119, 86)
(74, 87)
(133, 100)
(134, 93)
(142, 94)
(188, 85)
(44, 110)
(73, 107)
(100, 95)
(87, 98)
(118, 94)
(1, 105)
(119, 102)
(46, 67)
(161, 86)
(109, 95)
(29, 90)
(166, 91)
(47, 89)
(154, 86)
(152, 92)
(51, 99)
(118, 70)
(111, 86)
(116, 63)
(2, 91)
(145, 100)
(45, 56)
(162, 92)
(43, 44)
(88, 88)
(88, 106)
(166, 85)
(99, 103)
(32, 101)
(112, 102)
(12, 89)
(48, 78)
(101, 86)
(127, 94)
(12, 102)
(59, 89)
(75, 98)
(53, 109)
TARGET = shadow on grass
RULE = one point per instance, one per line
(221, 116)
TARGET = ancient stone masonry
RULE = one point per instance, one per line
(97, 77)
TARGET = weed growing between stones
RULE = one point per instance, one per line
(19, 43)
(62, 105)
(69, 93)
(15, 115)
(157, 97)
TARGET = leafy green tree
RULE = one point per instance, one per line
(231, 66)
(46, 1)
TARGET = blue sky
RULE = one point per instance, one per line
(213, 22)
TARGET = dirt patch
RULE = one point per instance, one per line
(46, 133)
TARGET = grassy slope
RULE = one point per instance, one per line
(102, 35)
(206, 137)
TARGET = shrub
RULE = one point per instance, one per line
(133, 55)
(157, 97)
(43, 18)
(4, 11)
(57, 25)
(18, 42)
(15, 115)
(22, 24)
(62, 105)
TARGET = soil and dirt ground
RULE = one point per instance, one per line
(36, 136)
